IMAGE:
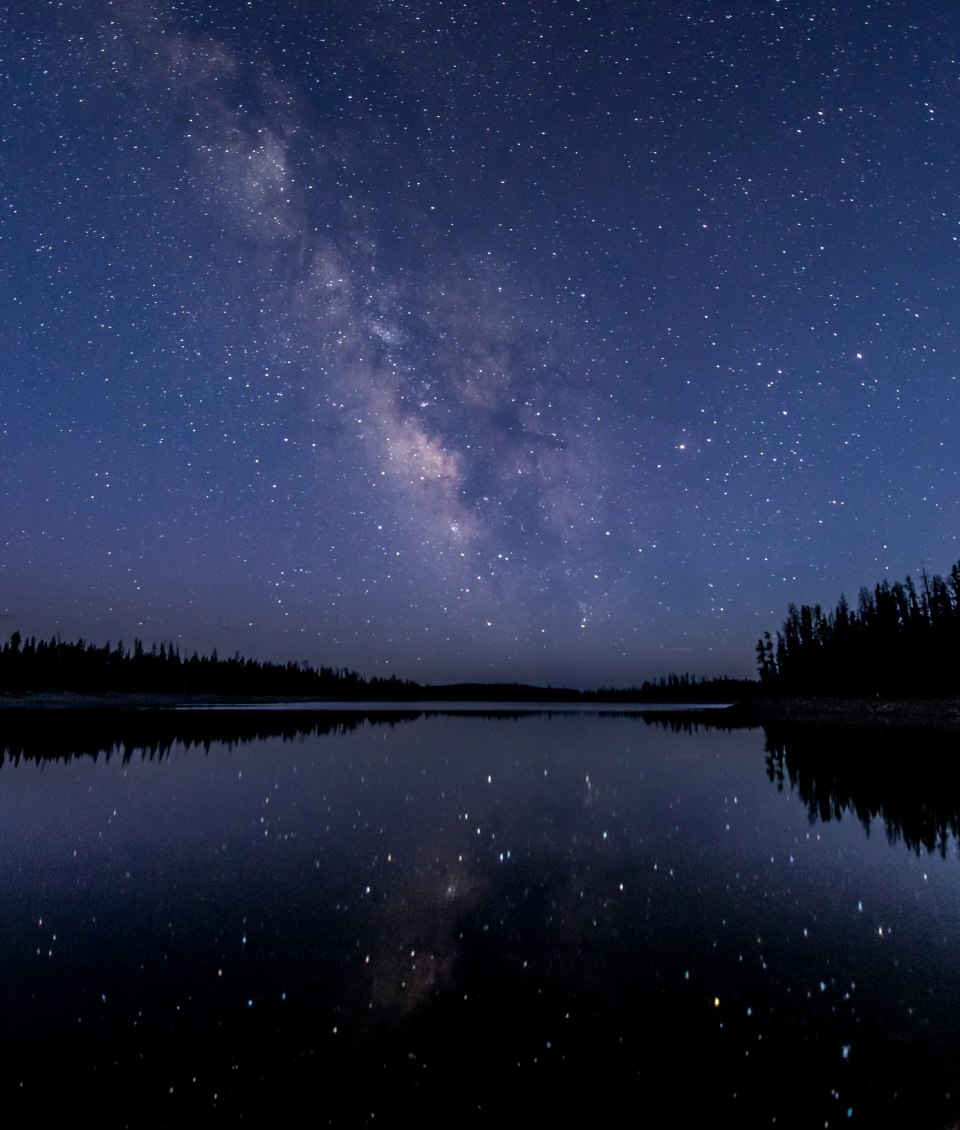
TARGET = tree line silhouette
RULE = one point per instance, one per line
(898, 641)
(51, 665)
(30, 665)
(681, 688)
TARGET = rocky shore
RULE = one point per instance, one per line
(941, 715)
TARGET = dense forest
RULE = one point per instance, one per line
(38, 665)
(30, 666)
(898, 641)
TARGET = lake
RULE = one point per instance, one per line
(466, 916)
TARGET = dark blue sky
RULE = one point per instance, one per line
(552, 341)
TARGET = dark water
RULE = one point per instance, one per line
(469, 918)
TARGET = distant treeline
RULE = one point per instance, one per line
(32, 666)
(898, 641)
(51, 665)
(681, 688)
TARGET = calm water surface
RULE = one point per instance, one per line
(461, 917)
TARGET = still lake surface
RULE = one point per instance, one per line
(467, 916)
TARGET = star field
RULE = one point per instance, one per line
(562, 342)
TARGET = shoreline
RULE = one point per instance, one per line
(940, 714)
(935, 714)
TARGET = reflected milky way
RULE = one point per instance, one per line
(467, 915)
(552, 342)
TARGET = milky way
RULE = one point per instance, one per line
(564, 342)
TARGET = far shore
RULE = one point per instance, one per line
(941, 715)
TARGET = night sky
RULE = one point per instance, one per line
(561, 342)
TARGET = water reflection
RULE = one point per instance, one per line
(907, 782)
(65, 734)
(459, 919)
